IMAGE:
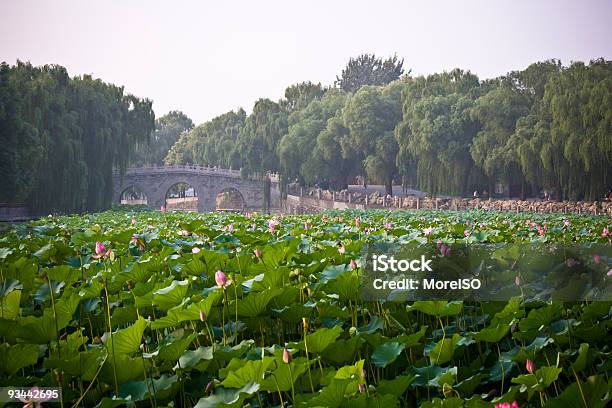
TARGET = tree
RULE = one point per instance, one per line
(168, 129)
(367, 69)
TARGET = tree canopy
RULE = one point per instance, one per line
(546, 127)
(62, 137)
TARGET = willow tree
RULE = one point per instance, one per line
(73, 132)
(436, 132)
(577, 110)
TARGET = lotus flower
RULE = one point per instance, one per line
(445, 250)
(439, 243)
(466, 233)
(248, 215)
(202, 316)
(428, 231)
(597, 259)
(341, 250)
(353, 264)
(567, 223)
(230, 228)
(195, 250)
(605, 232)
(530, 366)
(34, 402)
(287, 357)
(272, 226)
(100, 249)
(507, 405)
(388, 225)
(133, 221)
(257, 252)
(221, 279)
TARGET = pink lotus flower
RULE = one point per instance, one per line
(341, 250)
(567, 223)
(195, 250)
(287, 357)
(230, 228)
(605, 232)
(272, 226)
(133, 221)
(257, 252)
(507, 405)
(597, 259)
(388, 225)
(100, 249)
(202, 316)
(34, 402)
(541, 231)
(428, 231)
(530, 366)
(353, 264)
(221, 279)
(466, 233)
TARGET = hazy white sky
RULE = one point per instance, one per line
(207, 57)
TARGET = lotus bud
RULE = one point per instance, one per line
(100, 249)
(428, 231)
(210, 387)
(353, 264)
(530, 366)
(258, 252)
(287, 357)
(220, 278)
(605, 232)
(195, 250)
(341, 250)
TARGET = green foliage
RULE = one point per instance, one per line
(62, 137)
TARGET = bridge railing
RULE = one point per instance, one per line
(191, 167)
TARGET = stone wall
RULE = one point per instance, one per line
(321, 200)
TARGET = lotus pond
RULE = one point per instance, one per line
(161, 309)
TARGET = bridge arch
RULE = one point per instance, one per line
(133, 195)
(230, 199)
(181, 196)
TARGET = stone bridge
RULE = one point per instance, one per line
(154, 183)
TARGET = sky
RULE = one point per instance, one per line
(208, 57)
